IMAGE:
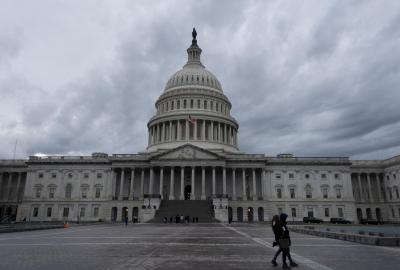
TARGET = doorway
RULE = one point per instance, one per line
(188, 192)
(250, 214)
(114, 214)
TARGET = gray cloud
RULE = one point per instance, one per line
(305, 77)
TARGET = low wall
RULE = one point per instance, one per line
(362, 239)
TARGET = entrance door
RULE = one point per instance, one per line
(250, 214)
(188, 192)
(359, 214)
(124, 213)
(378, 214)
(114, 214)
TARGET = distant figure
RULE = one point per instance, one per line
(182, 219)
(282, 238)
(197, 219)
(165, 220)
(230, 220)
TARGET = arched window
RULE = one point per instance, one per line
(184, 103)
(308, 191)
(205, 104)
(172, 105)
(178, 104)
(68, 191)
(191, 104)
(211, 105)
(198, 104)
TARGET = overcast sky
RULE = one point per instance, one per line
(312, 78)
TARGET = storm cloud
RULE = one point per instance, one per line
(312, 78)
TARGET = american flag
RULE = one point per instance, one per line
(191, 120)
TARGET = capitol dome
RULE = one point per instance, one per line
(193, 109)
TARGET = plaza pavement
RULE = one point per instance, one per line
(175, 246)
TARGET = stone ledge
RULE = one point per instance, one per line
(362, 239)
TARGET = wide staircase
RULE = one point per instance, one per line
(202, 209)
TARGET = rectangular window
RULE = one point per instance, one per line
(323, 176)
(51, 195)
(97, 195)
(325, 193)
(277, 176)
(65, 212)
(326, 212)
(40, 175)
(35, 211)
(291, 175)
(307, 176)
(340, 212)
(99, 175)
(38, 191)
(292, 193)
(293, 212)
(96, 212)
(308, 194)
(279, 193)
(338, 193)
(84, 194)
(82, 213)
(86, 175)
(336, 176)
(53, 175)
(49, 209)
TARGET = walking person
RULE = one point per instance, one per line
(282, 238)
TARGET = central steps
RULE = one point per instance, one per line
(203, 209)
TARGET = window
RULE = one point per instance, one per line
(65, 212)
(52, 191)
(396, 189)
(211, 105)
(291, 175)
(198, 103)
(82, 213)
(84, 194)
(53, 175)
(191, 104)
(325, 192)
(96, 212)
(49, 209)
(323, 176)
(326, 212)
(308, 192)
(184, 103)
(178, 104)
(340, 212)
(38, 192)
(294, 212)
(205, 104)
(338, 193)
(40, 175)
(86, 175)
(172, 105)
(68, 191)
(336, 175)
(277, 176)
(292, 193)
(279, 193)
(307, 176)
(98, 192)
(99, 175)
(36, 211)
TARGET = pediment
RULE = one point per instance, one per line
(187, 152)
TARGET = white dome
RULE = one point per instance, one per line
(193, 75)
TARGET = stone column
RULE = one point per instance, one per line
(224, 181)
(203, 133)
(203, 183)
(186, 130)
(212, 131)
(142, 184)
(170, 130)
(378, 184)
(182, 196)
(161, 181)
(131, 185)
(192, 196)
(8, 188)
(234, 184)
(163, 132)
(171, 186)
(264, 185)
(219, 132)
(151, 182)
(113, 183)
(195, 131)
(359, 186)
(371, 199)
(121, 187)
(254, 185)
(178, 136)
(225, 134)
(213, 181)
(158, 133)
(18, 184)
(244, 195)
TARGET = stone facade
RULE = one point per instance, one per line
(193, 154)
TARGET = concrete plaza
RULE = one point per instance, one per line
(193, 246)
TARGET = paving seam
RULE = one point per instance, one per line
(303, 260)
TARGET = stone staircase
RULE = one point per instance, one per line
(202, 209)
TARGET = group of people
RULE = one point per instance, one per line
(181, 219)
(282, 239)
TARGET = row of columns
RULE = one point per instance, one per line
(6, 186)
(171, 196)
(369, 187)
(170, 131)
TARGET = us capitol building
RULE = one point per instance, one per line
(193, 156)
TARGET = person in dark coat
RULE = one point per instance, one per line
(282, 237)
